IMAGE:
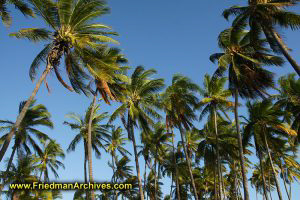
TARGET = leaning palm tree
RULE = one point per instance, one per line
(72, 33)
(49, 159)
(37, 115)
(263, 16)
(99, 133)
(137, 109)
(20, 5)
(178, 102)
(244, 60)
(215, 99)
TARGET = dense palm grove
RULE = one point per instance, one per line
(206, 162)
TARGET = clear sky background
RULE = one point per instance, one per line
(171, 36)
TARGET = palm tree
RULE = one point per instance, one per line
(264, 15)
(115, 144)
(99, 133)
(22, 172)
(23, 7)
(37, 115)
(246, 76)
(264, 123)
(72, 33)
(215, 99)
(137, 108)
(178, 102)
(49, 159)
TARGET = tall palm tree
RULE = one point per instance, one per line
(99, 133)
(178, 102)
(137, 109)
(263, 16)
(215, 99)
(20, 5)
(49, 159)
(244, 60)
(264, 123)
(72, 32)
(37, 115)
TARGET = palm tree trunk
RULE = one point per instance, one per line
(23, 112)
(284, 181)
(155, 175)
(263, 177)
(89, 145)
(215, 184)
(176, 169)
(188, 162)
(218, 153)
(145, 177)
(269, 184)
(84, 167)
(136, 159)
(11, 157)
(273, 169)
(240, 143)
(284, 50)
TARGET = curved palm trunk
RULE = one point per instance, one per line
(284, 51)
(273, 169)
(263, 177)
(240, 143)
(84, 167)
(131, 133)
(23, 112)
(89, 145)
(218, 154)
(11, 157)
(188, 163)
(284, 181)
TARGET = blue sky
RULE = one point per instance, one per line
(169, 35)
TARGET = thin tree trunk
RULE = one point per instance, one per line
(23, 112)
(215, 184)
(176, 169)
(188, 163)
(155, 175)
(145, 177)
(263, 177)
(11, 157)
(269, 184)
(89, 145)
(273, 169)
(240, 143)
(284, 181)
(218, 153)
(291, 190)
(84, 167)
(136, 160)
(284, 51)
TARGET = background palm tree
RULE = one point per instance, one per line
(72, 33)
(37, 115)
(137, 108)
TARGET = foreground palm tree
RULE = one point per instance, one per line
(178, 102)
(244, 60)
(72, 33)
(37, 115)
(21, 5)
(137, 108)
(263, 15)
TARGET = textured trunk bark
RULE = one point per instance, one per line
(273, 169)
(240, 143)
(136, 161)
(218, 154)
(285, 52)
(284, 181)
(23, 112)
(89, 145)
(188, 163)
